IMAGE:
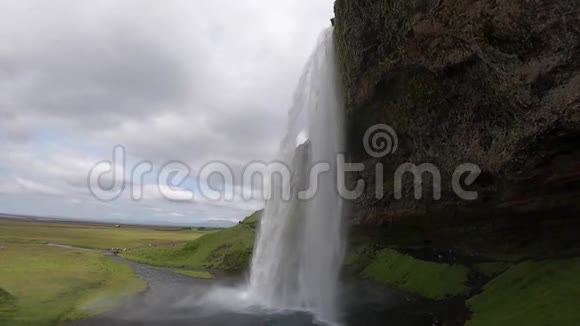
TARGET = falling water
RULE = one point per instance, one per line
(300, 246)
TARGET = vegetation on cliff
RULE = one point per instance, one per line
(228, 249)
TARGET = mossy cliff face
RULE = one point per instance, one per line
(494, 83)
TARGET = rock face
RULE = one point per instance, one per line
(492, 82)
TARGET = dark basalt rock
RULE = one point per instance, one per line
(494, 83)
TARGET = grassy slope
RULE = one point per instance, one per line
(424, 278)
(194, 274)
(253, 220)
(531, 293)
(91, 236)
(55, 284)
(228, 249)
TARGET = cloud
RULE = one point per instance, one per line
(38, 188)
(182, 80)
(10, 188)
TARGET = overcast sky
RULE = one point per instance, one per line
(194, 81)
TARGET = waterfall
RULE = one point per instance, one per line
(300, 245)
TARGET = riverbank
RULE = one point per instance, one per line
(51, 272)
(49, 285)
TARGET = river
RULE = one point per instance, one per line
(173, 299)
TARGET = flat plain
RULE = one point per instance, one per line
(47, 285)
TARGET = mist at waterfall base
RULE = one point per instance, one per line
(300, 243)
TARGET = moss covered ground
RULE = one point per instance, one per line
(504, 285)
(532, 294)
(427, 279)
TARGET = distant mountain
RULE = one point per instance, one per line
(221, 224)
(214, 224)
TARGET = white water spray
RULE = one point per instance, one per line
(300, 245)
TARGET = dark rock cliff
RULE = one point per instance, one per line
(492, 82)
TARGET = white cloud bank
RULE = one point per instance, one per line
(184, 80)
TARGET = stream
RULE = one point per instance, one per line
(173, 299)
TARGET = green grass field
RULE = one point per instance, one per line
(92, 236)
(42, 285)
(51, 285)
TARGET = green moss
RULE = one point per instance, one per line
(531, 293)
(430, 280)
(229, 249)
